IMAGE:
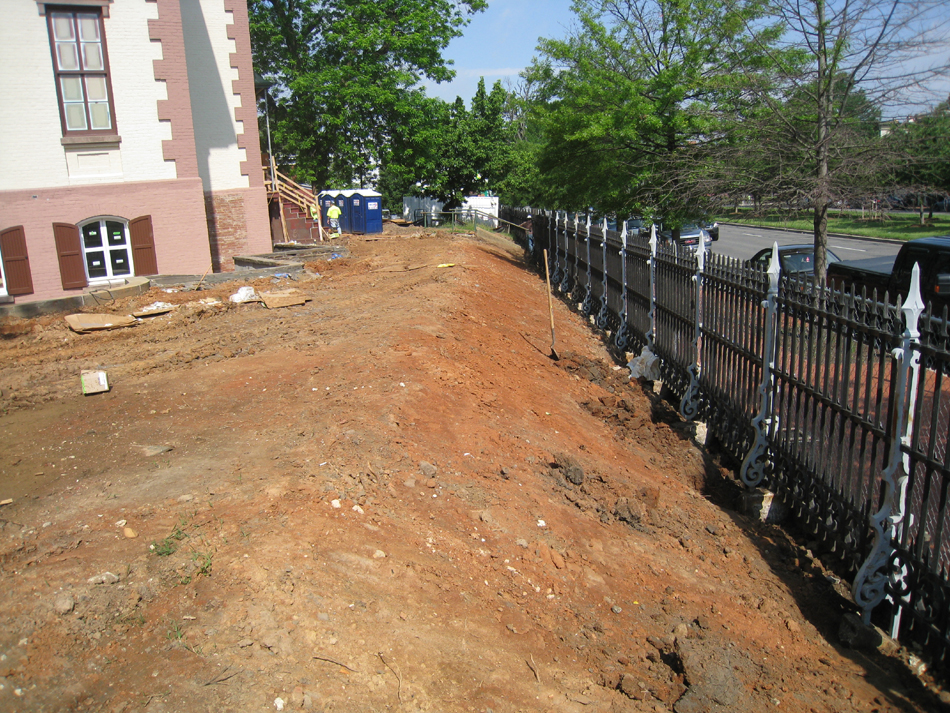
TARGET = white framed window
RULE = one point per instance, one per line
(81, 66)
(105, 245)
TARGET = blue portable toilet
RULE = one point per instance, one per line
(366, 212)
(325, 200)
(343, 201)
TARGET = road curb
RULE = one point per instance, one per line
(891, 241)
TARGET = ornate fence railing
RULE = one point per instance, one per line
(838, 403)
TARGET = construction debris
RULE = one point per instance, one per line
(245, 294)
(154, 309)
(283, 298)
(94, 382)
(83, 323)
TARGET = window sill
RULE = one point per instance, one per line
(104, 4)
(113, 140)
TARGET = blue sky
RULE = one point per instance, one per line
(499, 43)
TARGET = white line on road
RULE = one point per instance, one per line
(753, 235)
(842, 247)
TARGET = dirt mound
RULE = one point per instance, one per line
(388, 498)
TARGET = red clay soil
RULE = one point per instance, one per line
(389, 499)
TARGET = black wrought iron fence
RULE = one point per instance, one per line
(839, 403)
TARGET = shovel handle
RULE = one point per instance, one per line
(547, 280)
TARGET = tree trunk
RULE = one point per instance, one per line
(822, 196)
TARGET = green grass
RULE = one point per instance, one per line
(168, 546)
(893, 227)
(457, 226)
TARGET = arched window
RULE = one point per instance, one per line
(105, 243)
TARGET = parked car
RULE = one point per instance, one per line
(711, 228)
(892, 275)
(637, 226)
(689, 236)
(794, 259)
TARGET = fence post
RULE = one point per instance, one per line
(622, 337)
(568, 281)
(603, 315)
(756, 460)
(652, 333)
(870, 583)
(588, 304)
(556, 275)
(689, 405)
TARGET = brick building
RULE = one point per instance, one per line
(128, 143)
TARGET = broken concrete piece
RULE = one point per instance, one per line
(83, 323)
(64, 604)
(283, 298)
(855, 634)
(104, 578)
(763, 505)
(149, 451)
(713, 685)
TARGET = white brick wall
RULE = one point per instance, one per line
(32, 154)
(30, 131)
(136, 91)
(212, 98)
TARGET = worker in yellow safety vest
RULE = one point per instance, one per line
(333, 215)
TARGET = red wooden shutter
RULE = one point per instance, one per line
(143, 246)
(72, 268)
(16, 262)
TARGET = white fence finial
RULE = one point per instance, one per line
(701, 253)
(775, 269)
(913, 306)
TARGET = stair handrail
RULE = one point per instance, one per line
(288, 188)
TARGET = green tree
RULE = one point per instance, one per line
(410, 156)
(924, 146)
(772, 156)
(838, 64)
(453, 151)
(641, 100)
(490, 134)
(343, 69)
(522, 183)
(455, 173)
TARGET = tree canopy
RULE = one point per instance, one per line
(834, 67)
(447, 151)
(638, 101)
(659, 107)
(348, 74)
(923, 144)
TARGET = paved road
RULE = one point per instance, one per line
(743, 241)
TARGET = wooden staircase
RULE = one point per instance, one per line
(294, 204)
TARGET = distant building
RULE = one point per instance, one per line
(482, 209)
(129, 143)
(887, 126)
